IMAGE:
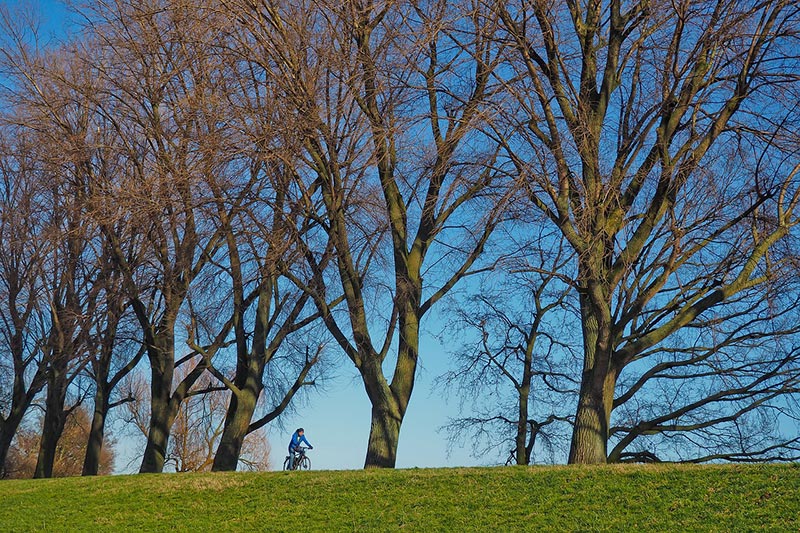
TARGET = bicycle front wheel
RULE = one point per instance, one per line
(305, 464)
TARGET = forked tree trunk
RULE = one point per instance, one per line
(237, 421)
(390, 401)
(21, 400)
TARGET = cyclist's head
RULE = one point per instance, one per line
(300, 431)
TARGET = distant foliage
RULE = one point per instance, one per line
(71, 447)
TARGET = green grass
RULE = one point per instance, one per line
(606, 498)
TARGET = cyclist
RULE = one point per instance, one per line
(298, 437)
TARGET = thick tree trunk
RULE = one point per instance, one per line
(51, 434)
(94, 445)
(389, 402)
(596, 397)
(155, 451)
(384, 436)
(233, 434)
(590, 434)
(162, 414)
(54, 418)
(237, 422)
(6, 436)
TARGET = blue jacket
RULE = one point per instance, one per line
(297, 440)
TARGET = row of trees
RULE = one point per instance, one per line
(599, 196)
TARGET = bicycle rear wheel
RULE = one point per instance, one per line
(287, 463)
(305, 464)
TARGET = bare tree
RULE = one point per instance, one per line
(154, 95)
(198, 427)
(56, 102)
(23, 360)
(657, 137)
(260, 241)
(389, 168)
(514, 367)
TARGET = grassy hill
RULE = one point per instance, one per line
(606, 498)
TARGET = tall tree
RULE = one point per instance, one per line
(389, 141)
(61, 119)
(152, 96)
(23, 318)
(258, 220)
(655, 136)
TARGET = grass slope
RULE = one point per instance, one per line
(605, 498)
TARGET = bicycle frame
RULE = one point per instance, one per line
(295, 460)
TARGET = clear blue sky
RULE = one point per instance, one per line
(337, 419)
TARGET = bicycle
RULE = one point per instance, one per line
(298, 460)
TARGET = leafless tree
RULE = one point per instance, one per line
(155, 95)
(388, 135)
(198, 427)
(515, 364)
(23, 360)
(210, 189)
(657, 137)
(56, 104)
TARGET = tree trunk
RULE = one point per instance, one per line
(94, 445)
(523, 394)
(54, 418)
(522, 428)
(389, 402)
(6, 436)
(230, 445)
(21, 400)
(162, 369)
(384, 436)
(51, 434)
(237, 422)
(596, 397)
(590, 434)
(155, 451)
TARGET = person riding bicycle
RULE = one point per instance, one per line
(298, 437)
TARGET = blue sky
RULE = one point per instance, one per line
(337, 421)
(53, 14)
